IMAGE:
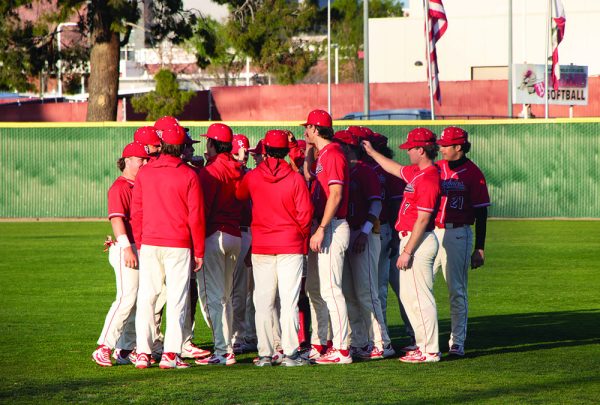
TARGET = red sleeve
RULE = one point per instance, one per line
(136, 211)
(406, 173)
(304, 208)
(478, 191)
(371, 183)
(196, 220)
(428, 193)
(334, 169)
(242, 191)
(209, 188)
(119, 201)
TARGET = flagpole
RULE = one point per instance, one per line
(428, 46)
(546, 90)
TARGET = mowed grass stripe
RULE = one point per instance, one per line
(534, 331)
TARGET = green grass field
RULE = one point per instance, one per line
(534, 330)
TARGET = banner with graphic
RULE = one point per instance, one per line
(530, 89)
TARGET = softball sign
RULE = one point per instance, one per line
(530, 88)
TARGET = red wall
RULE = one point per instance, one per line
(269, 103)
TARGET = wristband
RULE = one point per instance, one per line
(408, 253)
(367, 227)
(123, 241)
(321, 226)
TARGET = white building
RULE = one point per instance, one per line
(475, 45)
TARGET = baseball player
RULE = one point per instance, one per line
(369, 337)
(329, 241)
(418, 244)
(123, 258)
(219, 180)
(168, 217)
(464, 202)
(149, 137)
(281, 220)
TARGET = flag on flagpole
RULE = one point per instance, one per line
(558, 32)
(437, 27)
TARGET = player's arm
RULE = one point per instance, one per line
(118, 227)
(478, 258)
(242, 191)
(196, 220)
(331, 207)
(416, 237)
(387, 164)
(309, 159)
(360, 242)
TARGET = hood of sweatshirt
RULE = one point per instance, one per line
(167, 161)
(229, 165)
(274, 170)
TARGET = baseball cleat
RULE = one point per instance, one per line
(172, 360)
(411, 346)
(277, 357)
(314, 352)
(142, 360)
(102, 356)
(217, 360)
(245, 346)
(334, 356)
(190, 351)
(124, 357)
(388, 351)
(294, 361)
(457, 350)
(417, 356)
(264, 361)
(372, 353)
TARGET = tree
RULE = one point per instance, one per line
(167, 99)
(214, 50)
(268, 31)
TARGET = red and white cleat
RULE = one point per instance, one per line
(190, 351)
(102, 356)
(142, 360)
(172, 360)
(417, 356)
(334, 356)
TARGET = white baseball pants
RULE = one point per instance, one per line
(324, 286)
(362, 295)
(416, 293)
(277, 275)
(119, 325)
(454, 259)
(239, 297)
(160, 266)
(215, 284)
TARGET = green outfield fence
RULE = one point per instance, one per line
(534, 168)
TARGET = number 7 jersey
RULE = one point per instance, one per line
(463, 189)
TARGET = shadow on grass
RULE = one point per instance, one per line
(521, 332)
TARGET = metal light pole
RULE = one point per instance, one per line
(510, 57)
(59, 62)
(329, 56)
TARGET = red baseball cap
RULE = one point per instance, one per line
(135, 149)
(377, 139)
(360, 132)
(174, 136)
(240, 141)
(301, 144)
(276, 138)
(418, 137)
(259, 149)
(453, 136)
(219, 132)
(318, 117)
(166, 122)
(346, 137)
(147, 136)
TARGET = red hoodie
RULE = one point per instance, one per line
(167, 207)
(219, 180)
(281, 208)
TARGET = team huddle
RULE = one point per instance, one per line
(293, 258)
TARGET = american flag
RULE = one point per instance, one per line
(558, 32)
(437, 28)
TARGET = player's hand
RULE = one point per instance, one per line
(130, 258)
(477, 258)
(290, 135)
(199, 263)
(360, 243)
(404, 261)
(368, 147)
(317, 240)
(241, 155)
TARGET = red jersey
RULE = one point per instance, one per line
(463, 189)
(119, 203)
(332, 168)
(167, 207)
(281, 208)
(422, 193)
(219, 180)
(392, 188)
(364, 188)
